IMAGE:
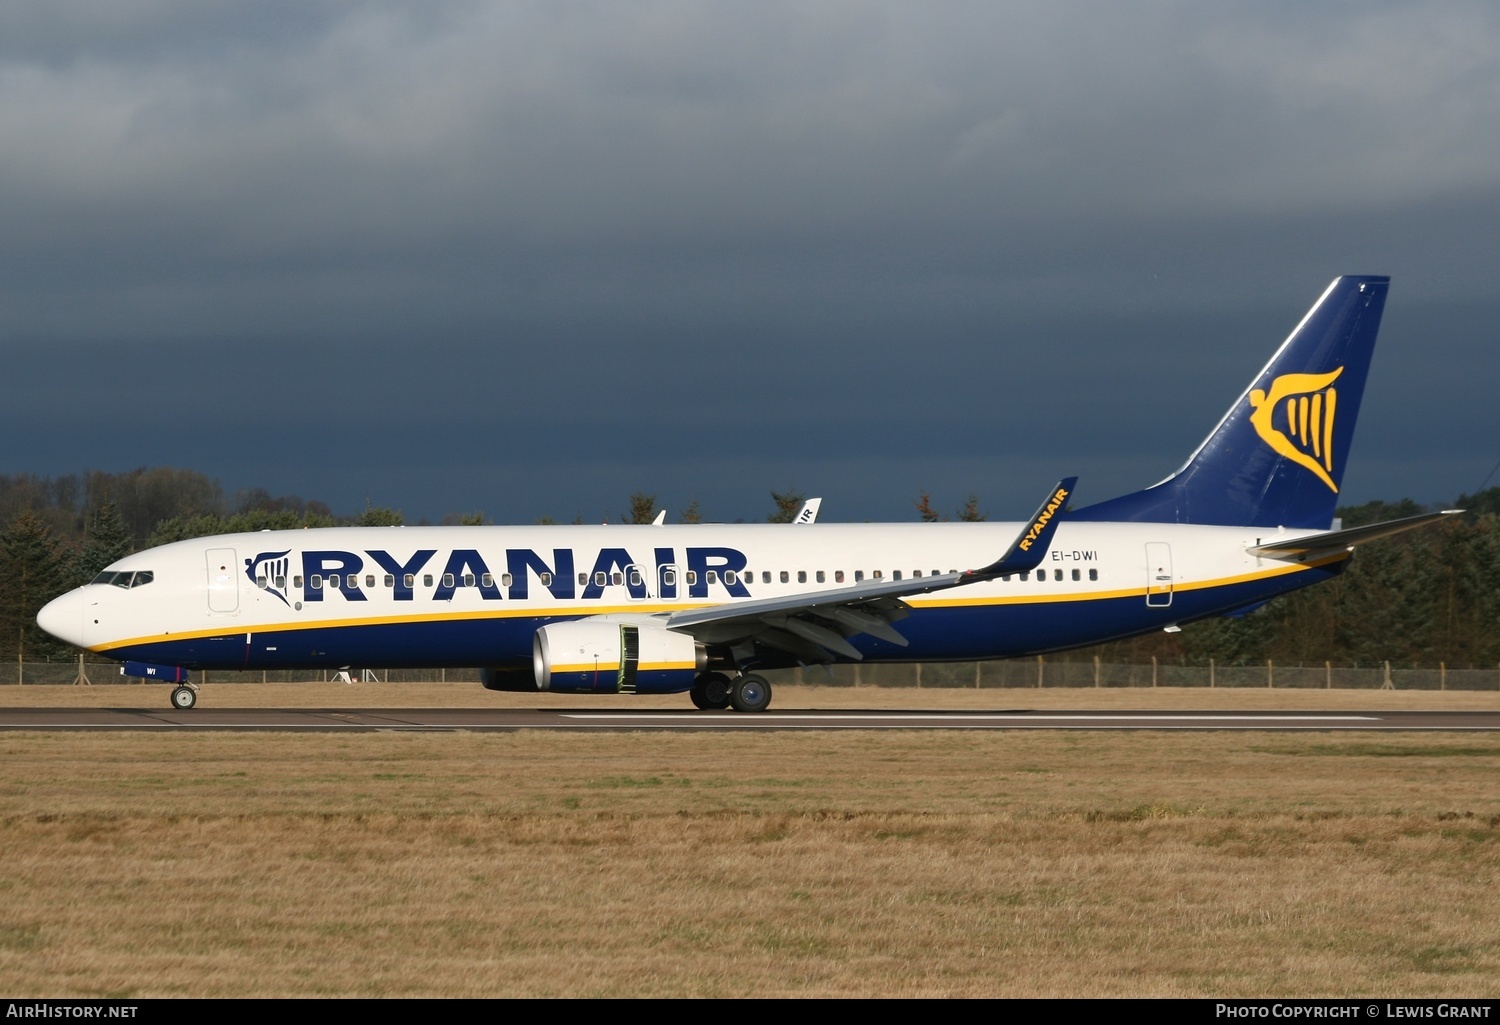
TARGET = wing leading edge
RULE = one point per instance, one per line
(816, 626)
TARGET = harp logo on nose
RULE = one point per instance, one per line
(1296, 419)
(268, 572)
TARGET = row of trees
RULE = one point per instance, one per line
(1424, 597)
(141, 500)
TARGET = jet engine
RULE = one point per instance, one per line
(604, 655)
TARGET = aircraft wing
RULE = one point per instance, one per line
(1310, 545)
(814, 624)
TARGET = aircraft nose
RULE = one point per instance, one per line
(63, 618)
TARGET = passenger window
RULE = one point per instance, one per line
(409, 579)
(1076, 574)
(838, 576)
(297, 582)
(765, 576)
(786, 577)
(1093, 574)
(447, 579)
(878, 574)
(1041, 575)
(859, 575)
(426, 579)
(917, 573)
(468, 580)
(729, 577)
(635, 578)
(1057, 574)
(802, 576)
(1025, 574)
(669, 578)
(488, 580)
(691, 576)
(504, 579)
(617, 579)
(545, 578)
(281, 583)
(601, 578)
(583, 578)
(1005, 577)
(260, 582)
(390, 581)
(370, 580)
(711, 576)
(316, 582)
(896, 575)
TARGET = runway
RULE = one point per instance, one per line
(332, 720)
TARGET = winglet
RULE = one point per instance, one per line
(1030, 547)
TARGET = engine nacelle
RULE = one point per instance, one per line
(609, 656)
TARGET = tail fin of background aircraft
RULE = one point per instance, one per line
(1277, 458)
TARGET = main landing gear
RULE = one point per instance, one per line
(185, 696)
(747, 693)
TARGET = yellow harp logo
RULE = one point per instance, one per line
(1296, 420)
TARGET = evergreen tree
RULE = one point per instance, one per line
(970, 512)
(925, 509)
(375, 516)
(642, 508)
(108, 541)
(33, 573)
(787, 504)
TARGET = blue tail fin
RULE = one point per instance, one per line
(1277, 458)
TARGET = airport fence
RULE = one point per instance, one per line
(1007, 674)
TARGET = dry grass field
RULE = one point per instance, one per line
(789, 864)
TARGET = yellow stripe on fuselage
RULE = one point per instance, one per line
(642, 608)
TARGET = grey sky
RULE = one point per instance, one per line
(529, 257)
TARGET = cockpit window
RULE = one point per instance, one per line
(125, 578)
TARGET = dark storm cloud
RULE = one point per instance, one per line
(522, 256)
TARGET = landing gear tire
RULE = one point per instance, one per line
(184, 698)
(751, 694)
(711, 691)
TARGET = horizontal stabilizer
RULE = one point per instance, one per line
(1333, 540)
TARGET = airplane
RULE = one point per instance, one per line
(707, 608)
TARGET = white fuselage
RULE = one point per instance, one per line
(467, 596)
